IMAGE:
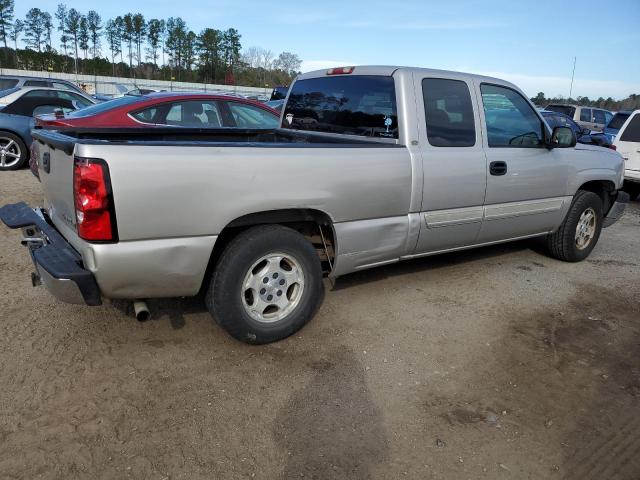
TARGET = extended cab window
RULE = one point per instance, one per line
(449, 113)
(362, 105)
(585, 115)
(632, 132)
(511, 121)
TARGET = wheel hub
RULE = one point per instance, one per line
(273, 287)
(586, 229)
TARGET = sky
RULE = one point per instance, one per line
(530, 43)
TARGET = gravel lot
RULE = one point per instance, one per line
(494, 363)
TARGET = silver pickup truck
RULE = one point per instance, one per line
(371, 165)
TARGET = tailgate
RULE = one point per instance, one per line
(55, 167)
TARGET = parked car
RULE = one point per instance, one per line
(614, 125)
(583, 135)
(17, 118)
(13, 81)
(397, 163)
(628, 144)
(594, 119)
(202, 110)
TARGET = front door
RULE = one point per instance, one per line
(453, 162)
(526, 182)
(628, 144)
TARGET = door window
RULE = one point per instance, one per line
(510, 120)
(7, 83)
(248, 116)
(598, 116)
(585, 115)
(193, 113)
(41, 93)
(64, 86)
(37, 83)
(449, 113)
(48, 109)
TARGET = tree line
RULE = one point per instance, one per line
(131, 45)
(632, 102)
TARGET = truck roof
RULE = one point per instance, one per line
(388, 70)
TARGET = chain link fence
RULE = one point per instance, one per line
(116, 86)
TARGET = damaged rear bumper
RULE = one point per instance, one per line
(58, 265)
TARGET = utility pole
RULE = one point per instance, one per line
(572, 74)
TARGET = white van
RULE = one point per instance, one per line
(627, 142)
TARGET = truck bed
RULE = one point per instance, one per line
(65, 139)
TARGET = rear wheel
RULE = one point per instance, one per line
(633, 189)
(13, 152)
(580, 230)
(267, 284)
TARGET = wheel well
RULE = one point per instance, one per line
(314, 225)
(602, 188)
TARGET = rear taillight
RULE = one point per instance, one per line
(95, 213)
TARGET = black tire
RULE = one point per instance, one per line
(225, 296)
(562, 244)
(633, 189)
(20, 148)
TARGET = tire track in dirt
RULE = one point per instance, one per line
(615, 455)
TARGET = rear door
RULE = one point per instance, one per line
(628, 144)
(526, 182)
(453, 162)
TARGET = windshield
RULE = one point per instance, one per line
(568, 110)
(103, 107)
(618, 120)
(353, 105)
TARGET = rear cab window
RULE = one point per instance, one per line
(362, 105)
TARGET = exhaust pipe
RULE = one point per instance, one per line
(141, 310)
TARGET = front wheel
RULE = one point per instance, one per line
(580, 230)
(267, 284)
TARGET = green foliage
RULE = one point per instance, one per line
(212, 56)
(632, 102)
(6, 19)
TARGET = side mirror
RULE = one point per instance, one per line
(562, 137)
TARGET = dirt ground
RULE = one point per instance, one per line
(488, 364)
